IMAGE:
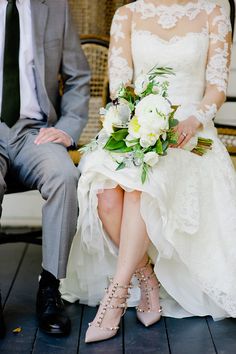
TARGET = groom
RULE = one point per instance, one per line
(37, 43)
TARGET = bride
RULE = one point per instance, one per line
(183, 217)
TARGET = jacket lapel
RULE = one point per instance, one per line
(39, 14)
(39, 10)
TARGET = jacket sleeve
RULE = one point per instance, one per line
(76, 76)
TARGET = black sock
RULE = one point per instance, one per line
(48, 279)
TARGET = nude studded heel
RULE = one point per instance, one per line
(97, 332)
(149, 312)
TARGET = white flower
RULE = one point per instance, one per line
(111, 117)
(130, 140)
(153, 104)
(141, 84)
(115, 115)
(124, 112)
(151, 119)
(148, 139)
(151, 158)
(153, 123)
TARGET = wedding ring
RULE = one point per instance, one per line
(184, 134)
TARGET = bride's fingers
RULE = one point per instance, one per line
(180, 138)
(185, 141)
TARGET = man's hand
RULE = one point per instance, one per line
(53, 135)
(186, 130)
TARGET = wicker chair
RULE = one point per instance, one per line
(96, 51)
(94, 18)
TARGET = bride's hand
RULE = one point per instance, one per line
(186, 130)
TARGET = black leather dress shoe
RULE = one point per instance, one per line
(2, 324)
(51, 313)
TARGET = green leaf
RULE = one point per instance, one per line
(112, 144)
(173, 141)
(122, 149)
(173, 123)
(120, 134)
(159, 148)
(120, 166)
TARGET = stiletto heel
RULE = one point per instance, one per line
(97, 332)
(147, 315)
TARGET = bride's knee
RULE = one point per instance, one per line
(110, 200)
(133, 197)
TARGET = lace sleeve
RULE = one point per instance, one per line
(120, 59)
(217, 68)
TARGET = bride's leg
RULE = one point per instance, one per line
(133, 258)
(134, 240)
(134, 243)
(110, 208)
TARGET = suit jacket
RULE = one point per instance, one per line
(57, 50)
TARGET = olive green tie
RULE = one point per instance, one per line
(10, 111)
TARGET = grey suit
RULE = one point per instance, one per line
(48, 167)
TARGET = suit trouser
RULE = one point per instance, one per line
(49, 169)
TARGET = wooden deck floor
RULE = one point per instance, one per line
(19, 268)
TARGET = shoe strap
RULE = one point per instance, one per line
(108, 306)
(115, 328)
(139, 309)
(141, 270)
(145, 278)
(111, 280)
(118, 296)
(143, 284)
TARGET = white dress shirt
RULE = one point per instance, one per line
(29, 103)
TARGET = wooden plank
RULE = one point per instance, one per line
(10, 256)
(189, 335)
(139, 339)
(111, 346)
(66, 345)
(224, 335)
(20, 307)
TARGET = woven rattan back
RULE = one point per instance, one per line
(96, 51)
(94, 17)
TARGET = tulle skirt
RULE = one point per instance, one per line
(188, 204)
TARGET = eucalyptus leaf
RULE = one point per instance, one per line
(165, 145)
(144, 173)
(120, 166)
(159, 148)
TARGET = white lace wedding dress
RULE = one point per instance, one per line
(188, 202)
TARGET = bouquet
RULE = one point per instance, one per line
(138, 125)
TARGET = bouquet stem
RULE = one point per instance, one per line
(203, 145)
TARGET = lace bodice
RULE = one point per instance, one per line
(192, 37)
